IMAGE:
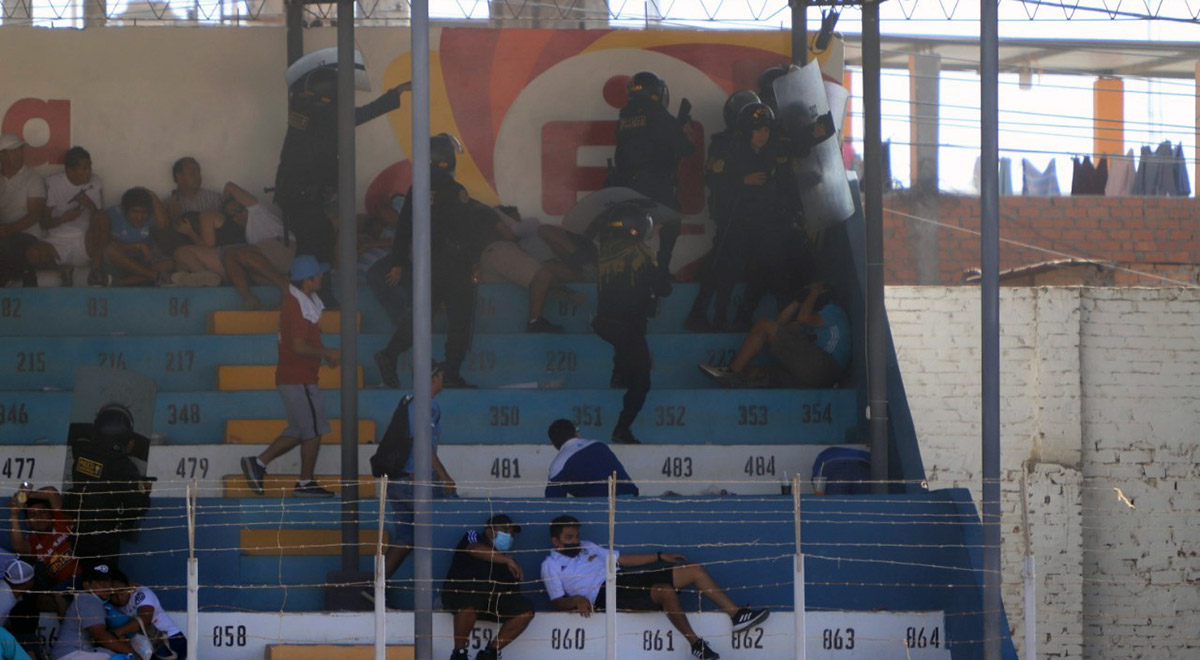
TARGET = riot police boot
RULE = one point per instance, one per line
(624, 436)
(615, 381)
(452, 380)
(387, 369)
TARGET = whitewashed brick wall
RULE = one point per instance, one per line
(1100, 391)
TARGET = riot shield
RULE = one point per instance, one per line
(96, 387)
(806, 117)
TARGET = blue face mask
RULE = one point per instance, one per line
(503, 541)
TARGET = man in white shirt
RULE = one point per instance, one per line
(574, 577)
(264, 256)
(22, 203)
(72, 198)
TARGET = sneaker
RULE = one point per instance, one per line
(311, 489)
(748, 618)
(460, 654)
(456, 381)
(624, 437)
(701, 649)
(254, 473)
(387, 370)
(722, 375)
(488, 652)
(540, 324)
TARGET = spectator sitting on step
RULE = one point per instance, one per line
(83, 633)
(582, 467)
(189, 196)
(75, 237)
(51, 537)
(9, 648)
(574, 576)
(22, 203)
(18, 578)
(810, 339)
(484, 581)
(265, 256)
(20, 611)
(147, 615)
(210, 235)
(376, 235)
(130, 256)
(523, 257)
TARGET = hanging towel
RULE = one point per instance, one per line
(1120, 176)
(1165, 183)
(1006, 186)
(1183, 183)
(1039, 183)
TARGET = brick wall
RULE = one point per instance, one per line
(1159, 236)
(1100, 392)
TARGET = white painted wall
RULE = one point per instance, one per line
(1100, 392)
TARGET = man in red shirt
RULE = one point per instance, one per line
(300, 356)
(49, 538)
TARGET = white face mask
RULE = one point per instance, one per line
(503, 541)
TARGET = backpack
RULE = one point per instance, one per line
(396, 445)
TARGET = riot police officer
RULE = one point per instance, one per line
(719, 207)
(306, 179)
(628, 285)
(461, 227)
(650, 144)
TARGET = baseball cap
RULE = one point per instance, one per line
(18, 572)
(306, 266)
(502, 520)
(9, 141)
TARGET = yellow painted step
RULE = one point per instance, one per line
(233, 322)
(335, 652)
(264, 431)
(241, 377)
(282, 485)
(304, 542)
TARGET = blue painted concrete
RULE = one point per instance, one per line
(904, 552)
(498, 416)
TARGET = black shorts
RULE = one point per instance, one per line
(491, 601)
(633, 589)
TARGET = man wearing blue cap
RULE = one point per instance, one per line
(300, 356)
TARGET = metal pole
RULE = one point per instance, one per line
(193, 574)
(294, 13)
(799, 599)
(1030, 573)
(380, 577)
(610, 574)
(422, 335)
(799, 32)
(347, 283)
(876, 332)
(989, 199)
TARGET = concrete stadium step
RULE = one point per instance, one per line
(480, 470)
(336, 652)
(244, 378)
(282, 485)
(503, 416)
(265, 322)
(500, 308)
(264, 431)
(304, 542)
(192, 363)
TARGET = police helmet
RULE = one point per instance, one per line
(766, 83)
(113, 425)
(629, 219)
(443, 148)
(754, 116)
(735, 103)
(645, 84)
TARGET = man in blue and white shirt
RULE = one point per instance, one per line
(574, 577)
(582, 467)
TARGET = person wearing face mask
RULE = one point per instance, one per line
(574, 577)
(484, 581)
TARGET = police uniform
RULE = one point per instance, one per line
(650, 144)
(460, 229)
(109, 494)
(629, 284)
(306, 179)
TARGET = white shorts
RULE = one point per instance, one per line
(505, 261)
(277, 254)
(71, 250)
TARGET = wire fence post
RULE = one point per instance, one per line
(801, 632)
(193, 574)
(380, 586)
(610, 574)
